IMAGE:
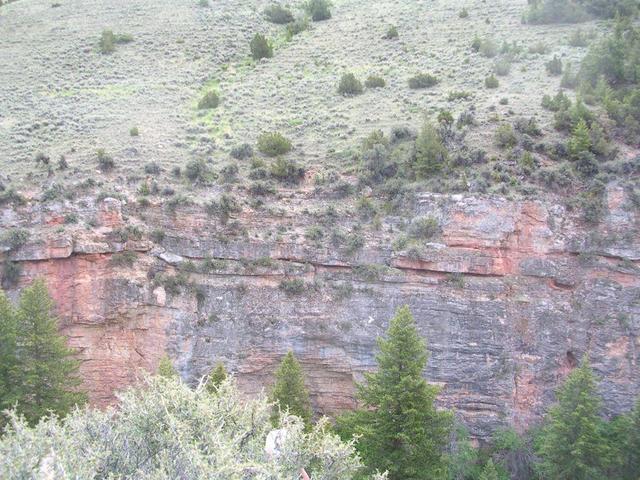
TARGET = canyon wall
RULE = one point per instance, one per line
(509, 295)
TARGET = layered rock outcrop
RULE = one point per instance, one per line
(509, 294)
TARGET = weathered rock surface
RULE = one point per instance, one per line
(510, 295)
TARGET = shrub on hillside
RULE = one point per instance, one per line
(273, 144)
(554, 66)
(422, 80)
(278, 14)
(491, 82)
(575, 11)
(208, 101)
(505, 136)
(349, 85)
(299, 25)
(392, 33)
(105, 161)
(318, 10)
(260, 47)
(287, 170)
(197, 171)
(242, 151)
(374, 81)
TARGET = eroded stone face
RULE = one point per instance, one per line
(509, 296)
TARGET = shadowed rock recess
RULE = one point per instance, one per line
(509, 297)
(229, 261)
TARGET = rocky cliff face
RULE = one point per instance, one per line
(509, 295)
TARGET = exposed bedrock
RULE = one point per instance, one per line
(509, 295)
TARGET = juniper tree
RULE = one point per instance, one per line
(571, 445)
(216, 377)
(45, 378)
(289, 391)
(400, 429)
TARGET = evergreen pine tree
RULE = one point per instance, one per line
(289, 390)
(400, 429)
(216, 377)
(430, 154)
(7, 352)
(489, 472)
(571, 445)
(580, 140)
(46, 374)
(166, 368)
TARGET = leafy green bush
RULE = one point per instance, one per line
(273, 144)
(464, 13)
(278, 14)
(260, 47)
(318, 10)
(374, 81)
(422, 80)
(349, 85)
(208, 101)
(134, 131)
